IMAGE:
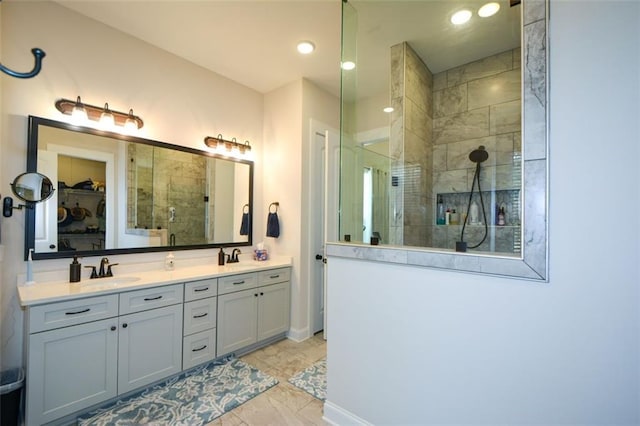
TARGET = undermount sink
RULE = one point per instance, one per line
(111, 281)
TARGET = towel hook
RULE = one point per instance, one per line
(38, 54)
(274, 204)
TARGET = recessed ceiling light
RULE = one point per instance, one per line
(348, 65)
(306, 47)
(488, 9)
(388, 109)
(461, 17)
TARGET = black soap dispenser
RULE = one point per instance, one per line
(74, 270)
(221, 256)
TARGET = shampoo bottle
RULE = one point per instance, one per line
(74, 270)
(440, 219)
(501, 217)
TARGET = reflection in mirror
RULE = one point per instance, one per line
(122, 194)
(32, 187)
(407, 175)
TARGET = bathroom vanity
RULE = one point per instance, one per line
(90, 342)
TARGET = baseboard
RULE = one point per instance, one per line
(335, 415)
(298, 335)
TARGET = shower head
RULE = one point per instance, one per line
(479, 155)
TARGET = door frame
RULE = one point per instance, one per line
(318, 128)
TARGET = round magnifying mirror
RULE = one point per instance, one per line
(32, 187)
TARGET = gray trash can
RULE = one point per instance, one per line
(11, 382)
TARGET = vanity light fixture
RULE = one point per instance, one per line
(461, 17)
(223, 145)
(348, 65)
(82, 113)
(305, 47)
(488, 9)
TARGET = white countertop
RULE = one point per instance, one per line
(57, 291)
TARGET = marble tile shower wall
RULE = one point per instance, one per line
(160, 179)
(478, 104)
(180, 182)
(410, 147)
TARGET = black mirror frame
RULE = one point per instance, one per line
(32, 166)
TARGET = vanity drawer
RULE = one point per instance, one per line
(63, 314)
(274, 276)
(195, 290)
(198, 348)
(149, 298)
(199, 315)
(237, 283)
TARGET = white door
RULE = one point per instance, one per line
(325, 160)
(46, 229)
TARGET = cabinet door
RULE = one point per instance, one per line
(273, 310)
(149, 346)
(236, 320)
(70, 368)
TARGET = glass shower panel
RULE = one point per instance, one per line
(444, 105)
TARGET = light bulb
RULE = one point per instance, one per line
(348, 65)
(306, 47)
(488, 9)
(130, 124)
(78, 113)
(461, 17)
(107, 121)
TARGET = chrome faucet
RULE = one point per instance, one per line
(233, 258)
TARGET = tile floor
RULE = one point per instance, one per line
(283, 404)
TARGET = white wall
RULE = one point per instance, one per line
(288, 113)
(179, 102)
(414, 345)
(282, 184)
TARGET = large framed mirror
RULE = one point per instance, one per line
(121, 194)
(444, 135)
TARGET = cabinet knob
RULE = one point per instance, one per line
(125, 325)
(52, 246)
(113, 328)
(261, 294)
(256, 295)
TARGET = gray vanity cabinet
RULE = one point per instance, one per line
(150, 336)
(200, 307)
(72, 357)
(253, 315)
(81, 353)
(84, 352)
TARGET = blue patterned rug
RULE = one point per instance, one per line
(194, 398)
(312, 380)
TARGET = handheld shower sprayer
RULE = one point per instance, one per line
(477, 156)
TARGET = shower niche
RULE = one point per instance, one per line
(502, 236)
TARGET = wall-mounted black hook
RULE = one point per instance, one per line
(38, 54)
